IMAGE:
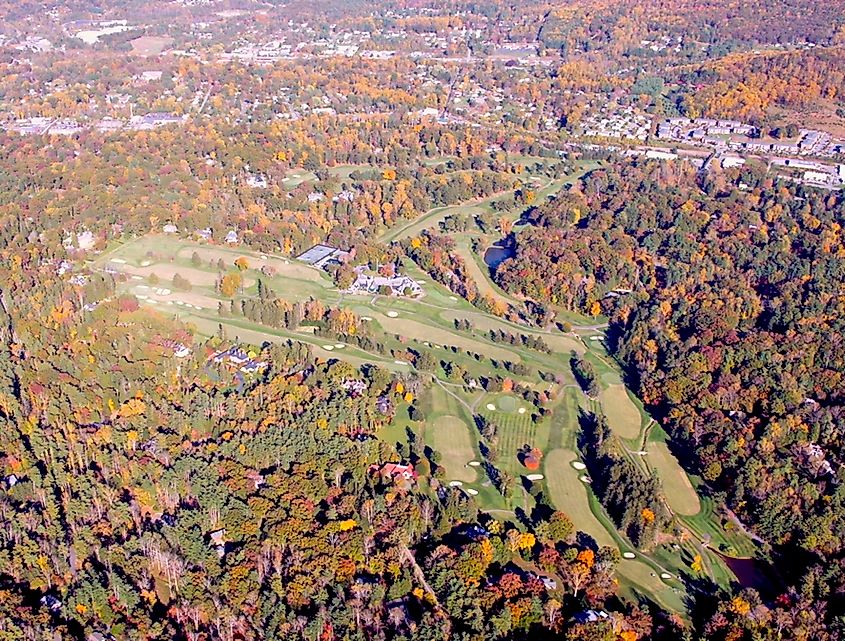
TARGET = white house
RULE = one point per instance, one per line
(85, 240)
(257, 181)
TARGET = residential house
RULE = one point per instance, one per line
(395, 472)
(354, 387)
(257, 181)
(85, 240)
(397, 285)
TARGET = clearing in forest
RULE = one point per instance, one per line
(150, 45)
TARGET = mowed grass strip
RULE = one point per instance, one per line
(680, 494)
(569, 495)
(559, 343)
(209, 327)
(451, 437)
(622, 415)
(166, 271)
(288, 267)
(405, 326)
(515, 431)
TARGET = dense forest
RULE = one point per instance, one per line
(152, 497)
(725, 308)
(173, 473)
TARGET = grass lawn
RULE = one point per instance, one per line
(682, 497)
(479, 272)
(727, 538)
(451, 436)
(150, 45)
(406, 325)
(431, 218)
(515, 430)
(622, 415)
(296, 177)
(569, 494)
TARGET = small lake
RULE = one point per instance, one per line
(752, 573)
(496, 255)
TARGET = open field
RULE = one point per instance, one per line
(561, 344)
(641, 580)
(343, 172)
(150, 45)
(726, 538)
(153, 295)
(479, 274)
(165, 273)
(515, 430)
(431, 218)
(208, 326)
(451, 437)
(290, 268)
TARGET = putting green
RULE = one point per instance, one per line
(506, 403)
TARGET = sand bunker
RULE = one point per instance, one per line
(629, 555)
(490, 406)
(535, 477)
(578, 465)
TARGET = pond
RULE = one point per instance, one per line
(752, 573)
(496, 255)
